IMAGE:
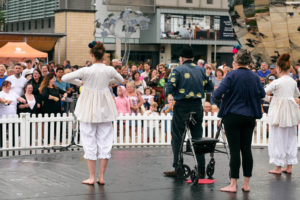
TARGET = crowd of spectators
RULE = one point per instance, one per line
(36, 88)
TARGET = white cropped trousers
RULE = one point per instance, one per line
(97, 140)
(283, 145)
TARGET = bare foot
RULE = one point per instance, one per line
(100, 181)
(229, 188)
(275, 171)
(286, 170)
(246, 188)
(89, 181)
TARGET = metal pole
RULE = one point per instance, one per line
(215, 52)
(58, 51)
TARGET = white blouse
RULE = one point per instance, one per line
(11, 109)
(95, 103)
(283, 110)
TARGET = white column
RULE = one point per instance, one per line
(58, 51)
(208, 54)
(118, 47)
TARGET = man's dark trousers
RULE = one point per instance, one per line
(182, 109)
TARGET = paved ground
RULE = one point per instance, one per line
(133, 174)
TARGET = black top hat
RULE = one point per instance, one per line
(187, 52)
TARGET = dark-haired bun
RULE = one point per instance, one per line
(98, 50)
(285, 57)
(283, 62)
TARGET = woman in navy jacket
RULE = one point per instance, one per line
(241, 93)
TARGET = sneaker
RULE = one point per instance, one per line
(170, 173)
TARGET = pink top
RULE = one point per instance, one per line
(122, 103)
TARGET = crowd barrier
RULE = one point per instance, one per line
(42, 132)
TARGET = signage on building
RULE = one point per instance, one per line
(226, 29)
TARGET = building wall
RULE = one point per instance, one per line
(79, 28)
(216, 4)
(24, 26)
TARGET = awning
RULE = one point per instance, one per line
(20, 50)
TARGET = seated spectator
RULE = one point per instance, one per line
(2, 74)
(147, 98)
(32, 103)
(168, 108)
(122, 102)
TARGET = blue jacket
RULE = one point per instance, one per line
(241, 93)
(188, 81)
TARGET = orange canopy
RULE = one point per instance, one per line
(20, 50)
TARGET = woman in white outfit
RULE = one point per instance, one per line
(284, 116)
(96, 110)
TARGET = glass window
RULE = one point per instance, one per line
(210, 2)
(17, 26)
(23, 26)
(29, 25)
(42, 23)
(189, 1)
(35, 24)
(49, 23)
(12, 27)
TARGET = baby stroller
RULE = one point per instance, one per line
(202, 146)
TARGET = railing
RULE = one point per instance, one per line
(42, 132)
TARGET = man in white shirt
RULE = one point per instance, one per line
(146, 73)
(17, 81)
(29, 69)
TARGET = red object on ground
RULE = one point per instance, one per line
(203, 181)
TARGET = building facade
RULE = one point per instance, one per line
(203, 24)
(72, 18)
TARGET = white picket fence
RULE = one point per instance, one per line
(40, 132)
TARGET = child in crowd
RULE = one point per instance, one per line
(168, 108)
(214, 109)
(152, 110)
(147, 98)
(122, 102)
(135, 98)
(154, 94)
